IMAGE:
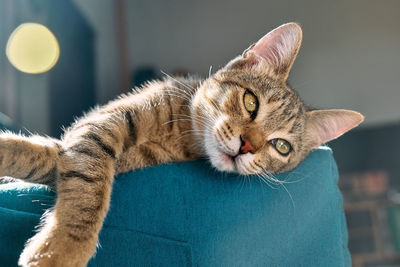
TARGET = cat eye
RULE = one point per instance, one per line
(282, 146)
(250, 103)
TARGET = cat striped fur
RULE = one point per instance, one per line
(244, 118)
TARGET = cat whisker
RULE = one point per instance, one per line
(265, 181)
(179, 96)
(181, 83)
(288, 181)
(242, 181)
(195, 131)
(185, 135)
(175, 93)
(204, 122)
(189, 120)
(290, 195)
(271, 177)
(267, 175)
(212, 119)
(189, 116)
(190, 94)
(292, 173)
(215, 106)
(175, 120)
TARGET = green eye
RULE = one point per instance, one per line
(250, 103)
(282, 146)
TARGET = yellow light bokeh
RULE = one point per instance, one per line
(32, 48)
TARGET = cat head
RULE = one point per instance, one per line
(251, 122)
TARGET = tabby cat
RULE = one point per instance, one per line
(244, 118)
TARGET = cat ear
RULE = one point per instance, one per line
(279, 48)
(323, 126)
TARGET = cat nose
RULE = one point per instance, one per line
(245, 146)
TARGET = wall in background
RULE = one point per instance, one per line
(349, 56)
(41, 103)
(7, 75)
(101, 16)
(23, 97)
(348, 59)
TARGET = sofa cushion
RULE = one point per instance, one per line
(188, 214)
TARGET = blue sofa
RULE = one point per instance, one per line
(187, 214)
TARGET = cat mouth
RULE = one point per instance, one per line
(226, 162)
(236, 163)
(222, 159)
(227, 158)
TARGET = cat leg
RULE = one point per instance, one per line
(32, 159)
(86, 168)
(70, 232)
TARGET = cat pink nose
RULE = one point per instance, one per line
(246, 146)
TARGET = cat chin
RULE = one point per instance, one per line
(222, 161)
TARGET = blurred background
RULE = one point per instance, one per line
(349, 59)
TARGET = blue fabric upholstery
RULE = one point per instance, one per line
(187, 214)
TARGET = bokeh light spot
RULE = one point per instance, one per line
(32, 48)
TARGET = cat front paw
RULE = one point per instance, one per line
(56, 251)
(41, 255)
(51, 254)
